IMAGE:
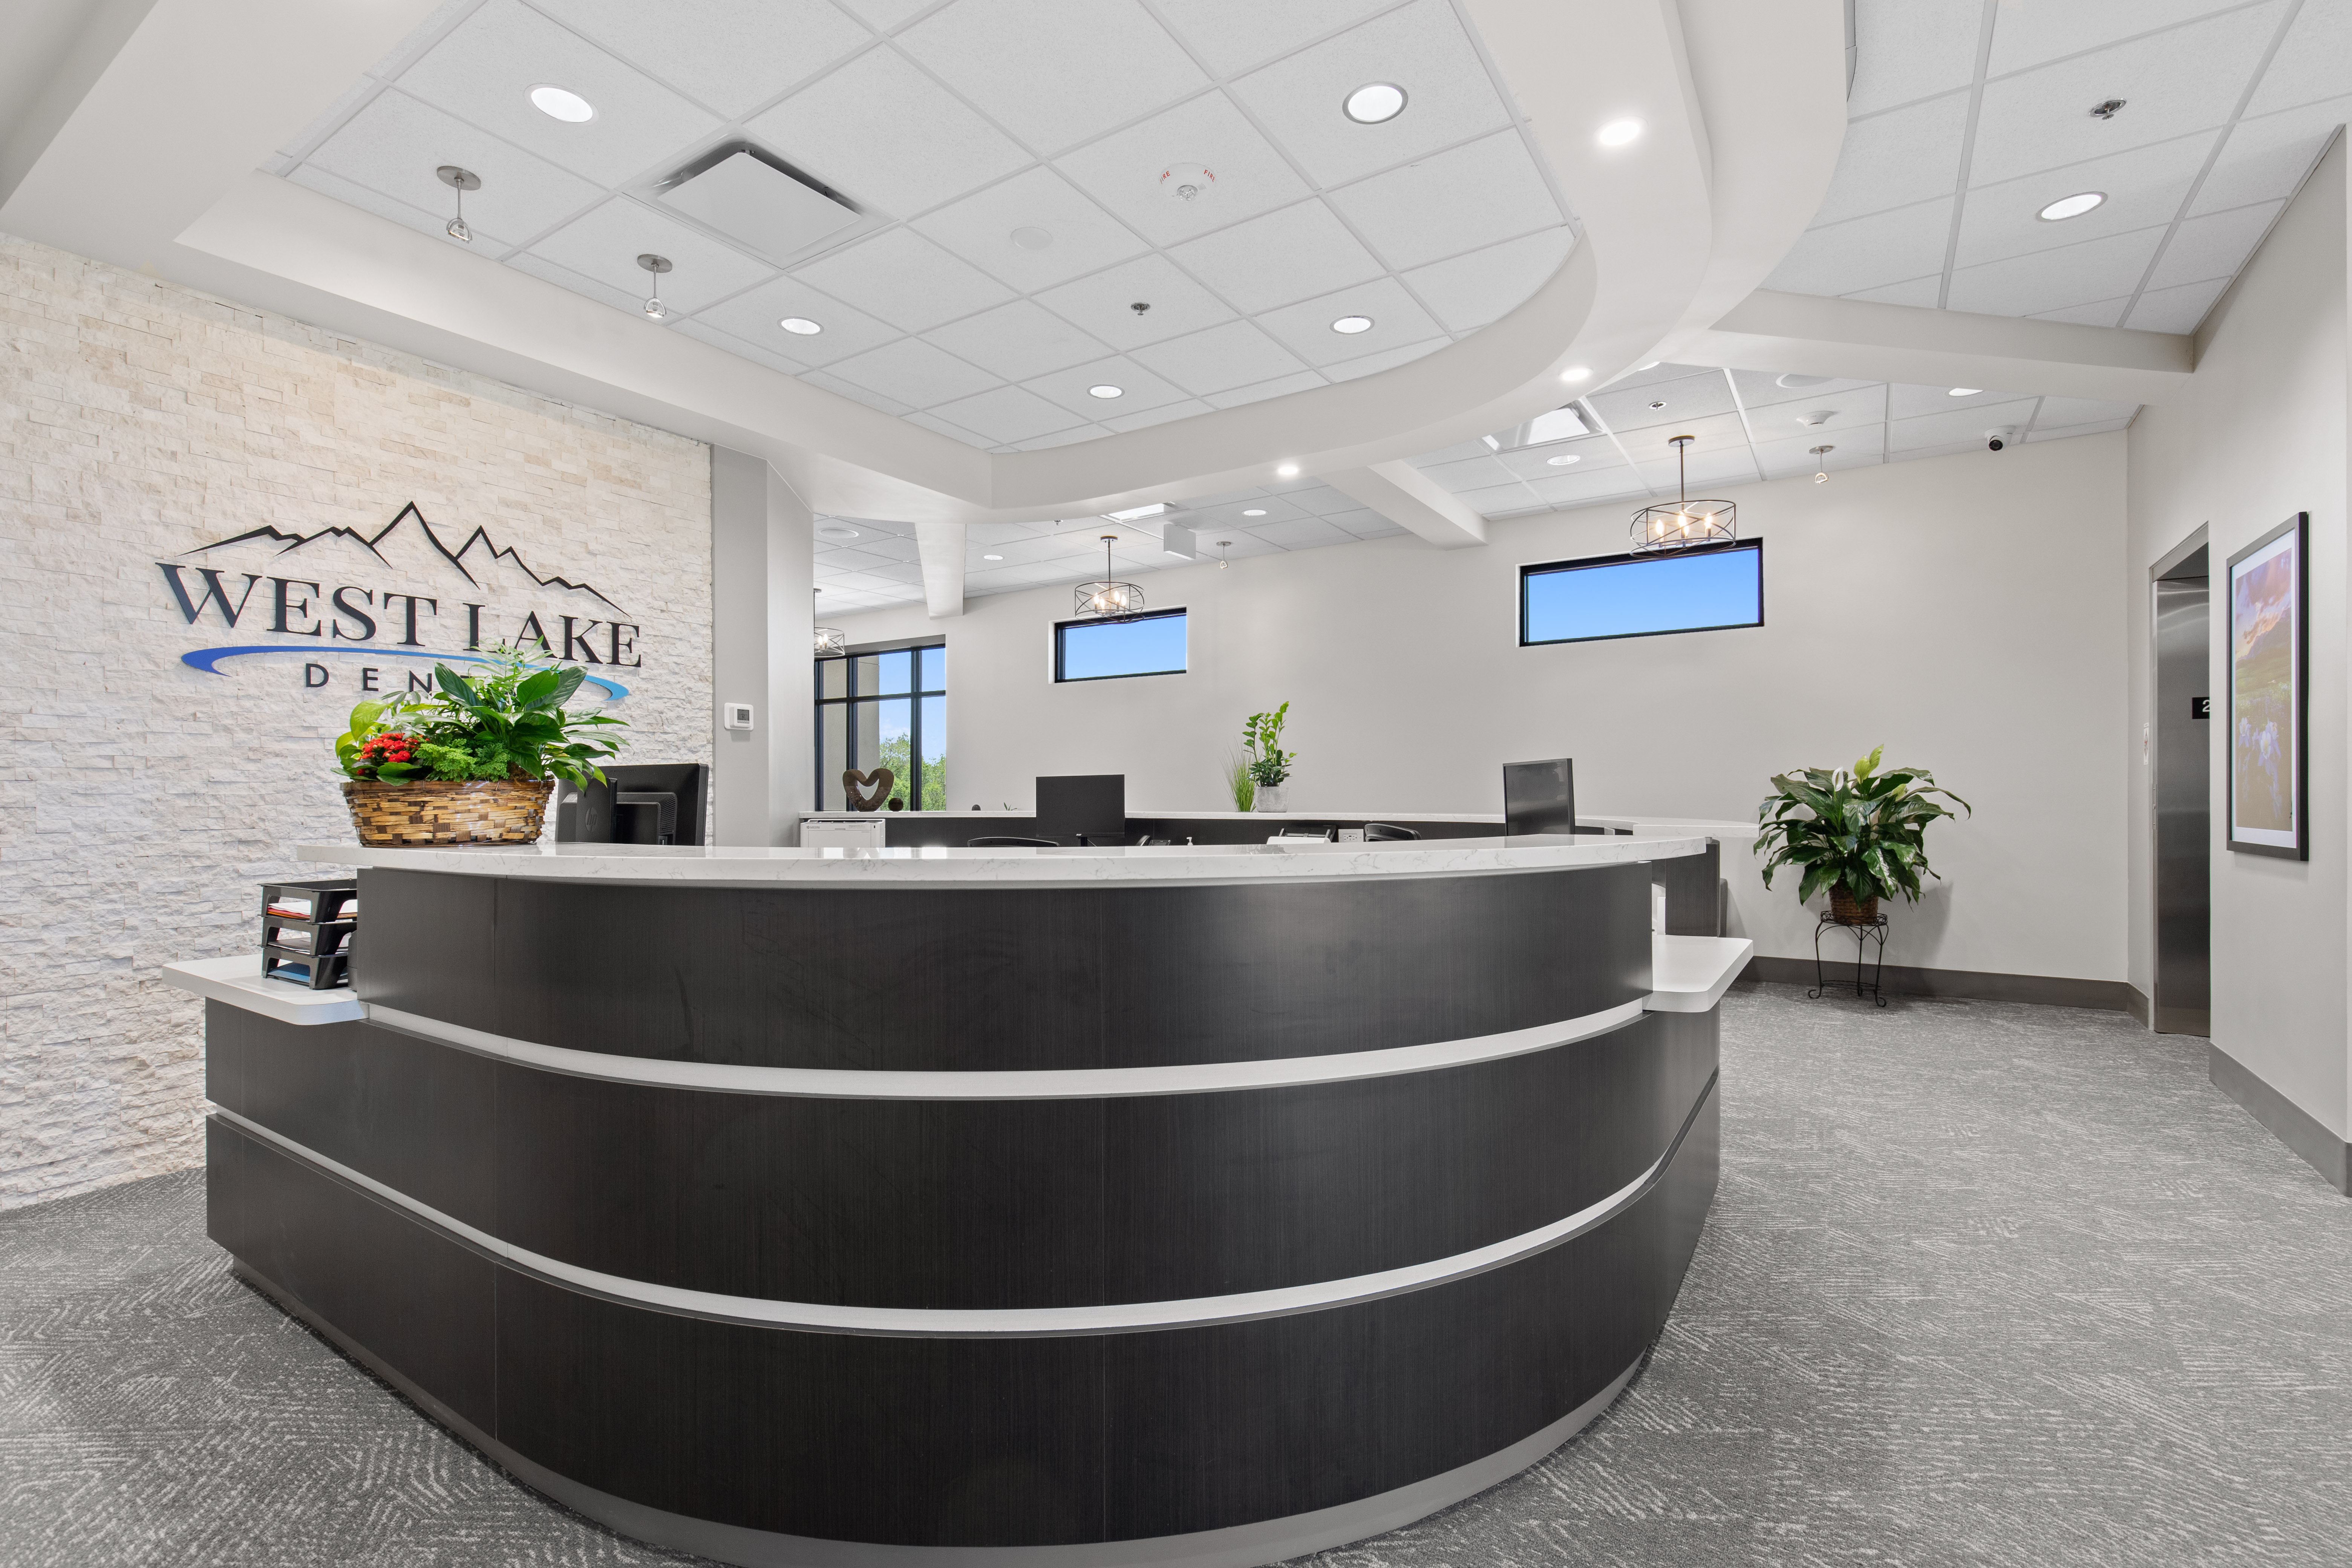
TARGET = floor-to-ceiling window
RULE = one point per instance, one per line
(884, 710)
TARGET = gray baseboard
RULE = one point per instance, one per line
(2139, 1007)
(2288, 1122)
(1975, 986)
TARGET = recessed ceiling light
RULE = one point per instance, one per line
(1374, 102)
(1563, 461)
(1963, 392)
(1576, 372)
(2070, 206)
(1795, 379)
(1287, 471)
(1657, 406)
(992, 558)
(562, 103)
(1032, 239)
(834, 530)
(799, 325)
(1618, 133)
(1255, 512)
(1352, 324)
(1105, 390)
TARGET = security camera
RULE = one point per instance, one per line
(1999, 436)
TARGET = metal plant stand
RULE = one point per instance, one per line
(1864, 932)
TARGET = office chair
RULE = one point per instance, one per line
(1383, 832)
(1009, 844)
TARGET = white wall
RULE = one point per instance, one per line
(142, 800)
(763, 575)
(1955, 609)
(2258, 434)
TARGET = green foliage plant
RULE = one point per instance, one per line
(1863, 830)
(1270, 764)
(508, 722)
(1240, 782)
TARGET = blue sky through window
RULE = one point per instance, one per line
(1093, 650)
(1660, 594)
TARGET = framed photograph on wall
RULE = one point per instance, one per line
(2270, 642)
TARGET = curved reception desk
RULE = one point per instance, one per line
(1160, 1205)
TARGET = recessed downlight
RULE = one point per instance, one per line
(1255, 512)
(1963, 392)
(562, 103)
(1105, 390)
(1618, 133)
(1032, 239)
(992, 558)
(1374, 102)
(801, 326)
(835, 531)
(1287, 471)
(1563, 461)
(2070, 206)
(1796, 379)
(1352, 324)
(1577, 373)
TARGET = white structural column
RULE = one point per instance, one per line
(1413, 500)
(942, 547)
(762, 577)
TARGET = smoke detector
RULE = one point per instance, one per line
(1186, 182)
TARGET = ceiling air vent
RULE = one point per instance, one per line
(761, 207)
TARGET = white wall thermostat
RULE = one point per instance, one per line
(739, 715)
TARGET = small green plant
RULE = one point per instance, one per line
(1270, 764)
(508, 722)
(1861, 830)
(1240, 782)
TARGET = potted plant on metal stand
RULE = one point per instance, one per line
(474, 761)
(1270, 764)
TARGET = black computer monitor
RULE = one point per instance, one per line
(1539, 797)
(638, 802)
(1083, 807)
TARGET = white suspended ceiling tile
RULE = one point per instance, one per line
(1055, 72)
(2311, 60)
(1204, 521)
(755, 315)
(1314, 496)
(1008, 413)
(1762, 389)
(1235, 35)
(1856, 448)
(1573, 486)
(1682, 399)
(484, 71)
(882, 16)
(1451, 201)
(1920, 291)
(564, 278)
(1718, 438)
(1123, 171)
(1867, 252)
(1912, 402)
(2214, 246)
(1786, 421)
(1279, 257)
(1894, 159)
(731, 55)
(1138, 389)
(1017, 340)
(2068, 432)
(1372, 364)
(2143, 186)
(826, 381)
(1081, 236)
(1461, 451)
(393, 145)
(887, 136)
(1657, 370)
(1421, 47)
(1281, 386)
(2176, 310)
(2186, 79)
(1470, 291)
(905, 280)
(1307, 534)
(1143, 419)
(1221, 359)
(605, 244)
(1363, 523)
(1910, 51)
(1470, 473)
(328, 120)
(1500, 499)
(2266, 159)
(2028, 34)
(1104, 304)
(2052, 279)
(1962, 425)
(1397, 318)
(703, 331)
(2098, 313)
(1589, 454)
(310, 176)
(1707, 469)
(2058, 411)
(912, 372)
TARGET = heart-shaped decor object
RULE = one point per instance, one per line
(877, 785)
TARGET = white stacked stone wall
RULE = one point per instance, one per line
(142, 800)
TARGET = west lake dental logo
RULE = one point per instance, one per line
(398, 593)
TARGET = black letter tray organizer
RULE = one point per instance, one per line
(307, 930)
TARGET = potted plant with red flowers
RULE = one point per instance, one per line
(474, 762)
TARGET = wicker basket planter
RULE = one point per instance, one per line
(487, 811)
(1848, 910)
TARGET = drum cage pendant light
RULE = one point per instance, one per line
(1108, 600)
(832, 642)
(1661, 529)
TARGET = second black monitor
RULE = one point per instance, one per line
(1539, 797)
(1083, 807)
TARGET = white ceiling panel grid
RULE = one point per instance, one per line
(1968, 119)
(1012, 164)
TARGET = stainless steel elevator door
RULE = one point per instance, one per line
(2182, 809)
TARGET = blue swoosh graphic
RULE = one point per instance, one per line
(208, 659)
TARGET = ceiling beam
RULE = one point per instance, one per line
(1856, 340)
(941, 546)
(1414, 501)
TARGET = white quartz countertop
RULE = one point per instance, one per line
(1183, 864)
(237, 981)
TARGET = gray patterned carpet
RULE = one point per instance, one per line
(1984, 1284)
